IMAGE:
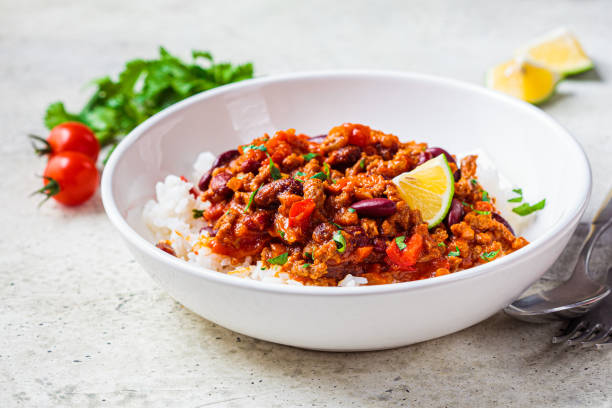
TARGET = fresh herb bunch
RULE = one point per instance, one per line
(144, 88)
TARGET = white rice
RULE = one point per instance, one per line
(170, 218)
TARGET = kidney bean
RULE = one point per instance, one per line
(221, 160)
(345, 157)
(218, 184)
(268, 193)
(249, 166)
(375, 207)
(502, 220)
(436, 151)
(457, 175)
(211, 231)
(166, 248)
(317, 139)
(455, 213)
(423, 157)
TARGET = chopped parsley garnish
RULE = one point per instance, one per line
(487, 256)
(337, 226)
(263, 268)
(306, 265)
(299, 174)
(485, 196)
(326, 171)
(340, 241)
(309, 156)
(320, 175)
(362, 163)
(309, 255)
(279, 260)
(251, 198)
(518, 199)
(474, 182)
(274, 171)
(526, 209)
(467, 205)
(281, 233)
(456, 252)
(482, 212)
(254, 147)
(351, 210)
(197, 213)
(442, 244)
(399, 241)
(227, 212)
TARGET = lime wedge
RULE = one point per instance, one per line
(559, 51)
(524, 80)
(428, 188)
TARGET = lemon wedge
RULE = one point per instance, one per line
(558, 51)
(428, 188)
(524, 80)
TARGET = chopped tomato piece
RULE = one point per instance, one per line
(359, 135)
(409, 255)
(300, 211)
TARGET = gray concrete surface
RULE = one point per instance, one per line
(82, 325)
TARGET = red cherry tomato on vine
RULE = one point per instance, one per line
(71, 178)
(69, 137)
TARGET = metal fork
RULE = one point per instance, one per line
(592, 329)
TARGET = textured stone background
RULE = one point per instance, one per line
(82, 325)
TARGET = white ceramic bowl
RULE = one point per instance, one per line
(525, 143)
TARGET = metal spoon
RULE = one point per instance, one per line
(578, 294)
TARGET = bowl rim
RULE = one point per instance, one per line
(568, 219)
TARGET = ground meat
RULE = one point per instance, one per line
(307, 212)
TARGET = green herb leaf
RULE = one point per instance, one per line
(351, 210)
(309, 156)
(362, 164)
(279, 260)
(340, 241)
(337, 226)
(274, 171)
(487, 256)
(482, 212)
(518, 199)
(306, 265)
(309, 255)
(442, 244)
(142, 89)
(456, 252)
(281, 233)
(300, 174)
(467, 205)
(320, 175)
(197, 213)
(518, 191)
(485, 196)
(526, 209)
(326, 170)
(254, 147)
(474, 182)
(399, 241)
(251, 198)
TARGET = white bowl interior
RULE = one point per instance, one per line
(526, 146)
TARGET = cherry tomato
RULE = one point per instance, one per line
(70, 137)
(300, 211)
(71, 178)
(409, 255)
(359, 134)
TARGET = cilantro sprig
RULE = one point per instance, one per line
(488, 256)
(456, 252)
(399, 241)
(526, 209)
(340, 241)
(142, 89)
(279, 260)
